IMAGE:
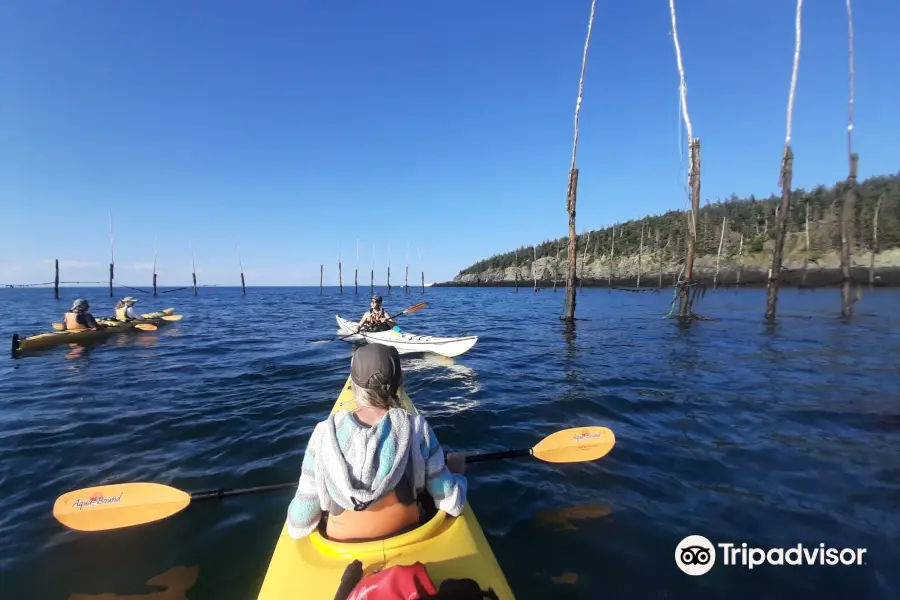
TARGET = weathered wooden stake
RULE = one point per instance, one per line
(155, 251)
(356, 270)
(686, 295)
(740, 260)
(659, 259)
(193, 269)
(340, 278)
(56, 281)
(534, 268)
(846, 237)
(321, 277)
(640, 256)
(571, 200)
(806, 254)
(389, 278)
(423, 281)
(787, 171)
(874, 249)
(584, 261)
(516, 267)
(112, 258)
(849, 192)
(612, 257)
(719, 255)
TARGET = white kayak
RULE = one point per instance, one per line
(406, 342)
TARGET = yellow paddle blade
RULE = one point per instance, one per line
(57, 326)
(146, 327)
(118, 505)
(172, 317)
(575, 445)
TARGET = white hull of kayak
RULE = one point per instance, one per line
(407, 343)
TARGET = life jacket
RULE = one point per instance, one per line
(120, 314)
(71, 321)
(378, 317)
(406, 582)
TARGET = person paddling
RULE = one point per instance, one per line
(125, 309)
(364, 470)
(79, 317)
(377, 319)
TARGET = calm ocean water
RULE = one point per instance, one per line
(727, 429)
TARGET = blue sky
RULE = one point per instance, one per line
(446, 127)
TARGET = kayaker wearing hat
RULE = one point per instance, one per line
(366, 468)
(79, 317)
(377, 319)
(125, 309)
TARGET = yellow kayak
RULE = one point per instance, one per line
(449, 547)
(53, 338)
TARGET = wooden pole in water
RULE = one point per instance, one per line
(155, 252)
(719, 255)
(389, 270)
(516, 267)
(846, 238)
(534, 268)
(406, 275)
(56, 281)
(686, 297)
(806, 252)
(241, 265)
(685, 292)
(321, 277)
(740, 260)
(193, 269)
(612, 256)
(874, 249)
(356, 270)
(422, 268)
(849, 192)
(659, 259)
(640, 255)
(787, 170)
(340, 275)
(572, 191)
(112, 258)
(372, 273)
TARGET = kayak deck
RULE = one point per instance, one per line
(407, 342)
(53, 338)
(449, 547)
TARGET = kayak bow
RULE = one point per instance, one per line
(449, 547)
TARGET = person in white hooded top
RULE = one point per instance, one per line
(366, 468)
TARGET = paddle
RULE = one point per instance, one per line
(118, 505)
(408, 311)
(141, 326)
(172, 317)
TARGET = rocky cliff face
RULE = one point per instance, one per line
(752, 266)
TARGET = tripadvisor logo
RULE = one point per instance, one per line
(696, 555)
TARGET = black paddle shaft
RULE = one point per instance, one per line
(216, 494)
(473, 458)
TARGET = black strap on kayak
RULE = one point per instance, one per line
(352, 575)
(462, 589)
